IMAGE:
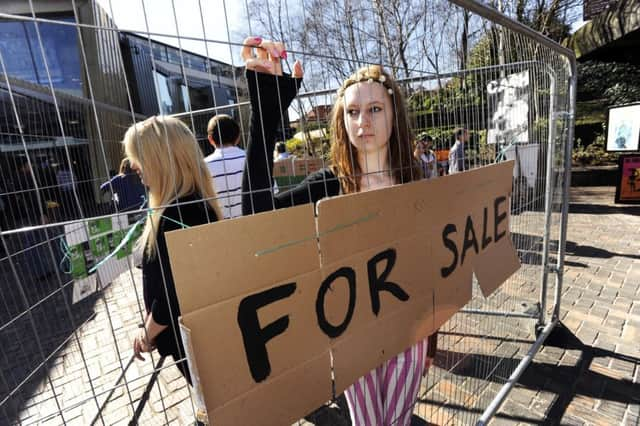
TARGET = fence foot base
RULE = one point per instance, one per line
(538, 329)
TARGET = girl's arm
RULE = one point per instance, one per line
(270, 93)
(270, 96)
(145, 341)
(164, 309)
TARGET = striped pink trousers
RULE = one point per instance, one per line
(386, 396)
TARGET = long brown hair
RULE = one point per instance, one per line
(344, 156)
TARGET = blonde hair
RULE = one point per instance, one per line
(344, 158)
(172, 166)
(125, 166)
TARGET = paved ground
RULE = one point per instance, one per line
(592, 368)
(588, 373)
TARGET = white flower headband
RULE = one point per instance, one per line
(379, 79)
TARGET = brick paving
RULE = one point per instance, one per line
(588, 373)
(87, 367)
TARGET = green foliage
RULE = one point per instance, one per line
(296, 147)
(590, 112)
(477, 149)
(453, 97)
(601, 84)
(316, 148)
(482, 52)
(593, 154)
(463, 95)
(549, 18)
(442, 136)
(314, 125)
(614, 82)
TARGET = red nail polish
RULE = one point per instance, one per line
(283, 54)
(258, 39)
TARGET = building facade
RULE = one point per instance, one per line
(68, 92)
(167, 80)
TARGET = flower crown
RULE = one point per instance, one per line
(362, 77)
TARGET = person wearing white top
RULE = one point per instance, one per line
(281, 152)
(226, 164)
(456, 153)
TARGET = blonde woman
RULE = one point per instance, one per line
(370, 148)
(165, 154)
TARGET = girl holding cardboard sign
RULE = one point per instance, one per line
(370, 148)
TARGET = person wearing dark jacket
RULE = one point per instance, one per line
(165, 154)
(126, 188)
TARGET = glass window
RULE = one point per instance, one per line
(184, 90)
(159, 52)
(16, 51)
(188, 60)
(173, 56)
(200, 97)
(198, 63)
(164, 95)
(23, 58)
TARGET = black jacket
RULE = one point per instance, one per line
(159, 290)
(270, 97)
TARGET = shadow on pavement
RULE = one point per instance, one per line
(565, 381)
(37, 318)
(529, 249)
(603, 209)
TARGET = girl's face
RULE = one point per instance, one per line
(368, 116)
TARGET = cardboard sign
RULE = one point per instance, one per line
(267, 300)
(297, 166)
(283, 167)
(306, 166)
(508, 107)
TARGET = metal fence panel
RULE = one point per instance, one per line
(72, 82)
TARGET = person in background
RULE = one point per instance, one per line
(370, 149)
(67, 187)
(46, 177)
(226, 164)
(425, 155)
(164, 152)
(128, 190)
(27, 205)
(281, 152)
(456, 153)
